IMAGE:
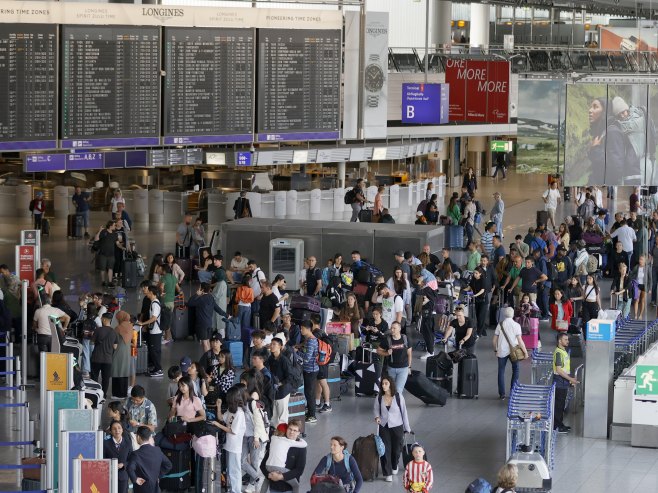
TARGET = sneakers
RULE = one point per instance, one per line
(562, 429)
(326, 408)
(158, 373)
(311, 419)
(426, 355)
(167, 341)
(388, 479)
(501, 397)
(538, 344)
(250, 488)
(395, 471)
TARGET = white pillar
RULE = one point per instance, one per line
(341, 174)
(441, 12)
(479, 25)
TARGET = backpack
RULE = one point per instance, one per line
(263, 412)
(422, 206)
(325, 351)
(296, 376)
(346, 461)
(88, 328)
(350, 196)
(480, 485)
(551, 271)
(367, 273)
(592, 264)
(31, 206)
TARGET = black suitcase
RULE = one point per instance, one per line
(425, 389)
(129, 273)
(45, 227)
(333, 380)
(367, 375)
(467, 377)
(74, 225)
(576, 347)
(180, 328)
(542, 218)
(179, 478)
(300, 315)
(365, 215)
(443, 378)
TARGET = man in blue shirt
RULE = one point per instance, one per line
(537, 243)
(81, 201)
(498, 250)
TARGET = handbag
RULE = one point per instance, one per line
(324, 478)
(562, 325)
(516, 353)
(457, 355)
(174, 427)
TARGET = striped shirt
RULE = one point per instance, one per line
(418, 476)
(487, 242)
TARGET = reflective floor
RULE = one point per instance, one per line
(464, 440)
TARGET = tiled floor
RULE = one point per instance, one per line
(464, 440)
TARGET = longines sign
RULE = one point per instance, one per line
(184, 16)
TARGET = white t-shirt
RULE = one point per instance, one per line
(239, 266)
(590, 293)
(390, 307)
(114, 203)
(43, 322)
(154, 311)
(626, 235)
(551, 196)
(256, 277)
(238, 427)
(513, 330)
(598, 198)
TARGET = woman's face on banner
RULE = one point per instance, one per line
(595, 111)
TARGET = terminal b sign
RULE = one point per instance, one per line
(479, 90)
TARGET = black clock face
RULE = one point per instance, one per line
(374, 78)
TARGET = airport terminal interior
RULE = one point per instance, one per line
(192, 108)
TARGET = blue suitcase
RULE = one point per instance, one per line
(236, 348)
(454, 236)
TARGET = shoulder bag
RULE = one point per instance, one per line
(516, 352)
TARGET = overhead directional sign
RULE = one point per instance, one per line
(425, 103)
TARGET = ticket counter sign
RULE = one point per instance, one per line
(646, 380)
(601, 330)
(26, 262)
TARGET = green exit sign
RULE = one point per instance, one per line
(499, 146)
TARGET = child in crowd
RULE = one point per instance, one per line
(527, 307)
(418, 475)
(174, 373)
(279, 446)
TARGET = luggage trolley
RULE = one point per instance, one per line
(542, 367)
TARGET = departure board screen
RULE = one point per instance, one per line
(28, 86)
(298, 84)
(110, 86)
(209, 85)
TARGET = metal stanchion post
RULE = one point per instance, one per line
(10, 368)
(24, 328)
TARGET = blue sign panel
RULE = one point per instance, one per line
(36, 163)
(425, 103)
(601, 330)
(84, 161)
(81, 445)
(243, 158)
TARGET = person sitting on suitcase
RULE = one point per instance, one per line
(285, 459)
(147, 464)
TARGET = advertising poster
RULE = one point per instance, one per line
(479, 90)
(610, 135)
(628, 39)
(541, 113)
(375, 76)
(77, 445)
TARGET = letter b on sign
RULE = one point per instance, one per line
(411, 112)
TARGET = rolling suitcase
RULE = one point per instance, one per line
(205, 474)
(236, 348)
(333, 380)
(425, 389)
(407, 445)
(366, 380)
(141, 360)
(179, 478)
(186, 266)
(129, 273)
(439, 369)
(305, 303)
(542, 218)
(179, 323)
(30, 484)
(297, 408)
(74, 225)
(454, 236)
(365, 454)
(576, 346)
(45, 227)
(467, 377)
(365, 215)
(299, 315)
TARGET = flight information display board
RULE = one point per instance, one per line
(298, 84)
(28, 85)
(209, 85)
(110, 86)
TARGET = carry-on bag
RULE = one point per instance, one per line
(297, 408)
(467, 377)
(179, 477)
(306, 303)
(180, 327)
(365, 215)
(333, 380)
(206, 471)
(406, 448)
(236, 348)
(366, 380)
(542, 218)
(140, 353)
(233, 329)
(425, 389)
(129, 273)
(365, 453)
(74, 225)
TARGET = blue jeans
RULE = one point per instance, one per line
(204, 275)
(244, 316)
(502, 362)
(87, 349)
(469, 232)
(234, 470)
(499, 227)
(399, 375)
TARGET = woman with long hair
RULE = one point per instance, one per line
(454, 211)
(186, 405)
(574, 291)
(206, 267)
(155, 268)
(391, 415)
(620, 289)
(351, 312)
(225, 372)
(234, 426)
(244, 296)
(199, 379)
(256, 434)
(563, 235)
(470, 181)
(401, 286)
(591, 299)
(178, 273)
(642, 275)
(561, 311)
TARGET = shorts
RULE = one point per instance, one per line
(105, 263)
(85, 218)
(323, 372)
(203, 334)
(642, 288)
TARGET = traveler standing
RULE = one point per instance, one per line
(121, 362)
(154, 332)
(81, 202)
(241, 206)
(497, 213)
(309, 354)
(38, 209)
(507, 332)
(184, 235)
(205, 305)
(107, 239)
(105, 341)
(470, 182)
(562, 379)
(551, 200)
(119, 447)
(114, 202)
(391, 416)
(358, 201)
(147, 464)
(396, 350)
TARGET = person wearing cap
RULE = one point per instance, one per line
(185, 363)
(105, 341)
(497, 212)
(210, 359)
(420, 218)
(507, 329)
(38, 208)
(205, 305)
(147, 464)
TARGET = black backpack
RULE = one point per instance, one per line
(350, 196)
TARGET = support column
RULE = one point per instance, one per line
(441, 14)
(341, 174)
(479, 35)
